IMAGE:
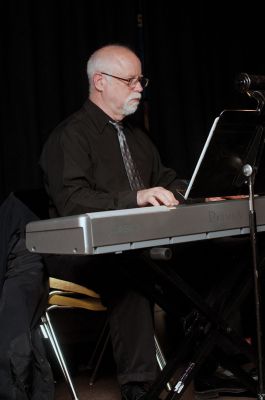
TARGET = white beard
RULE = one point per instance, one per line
(130, 108)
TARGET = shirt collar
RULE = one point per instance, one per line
(101, 119)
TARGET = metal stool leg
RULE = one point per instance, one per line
(58, 353)
(160, 359)
(105, 333)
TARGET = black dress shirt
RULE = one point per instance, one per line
(83, 166)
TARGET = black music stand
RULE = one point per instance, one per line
(237, 139)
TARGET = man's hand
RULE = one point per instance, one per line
(156, 196)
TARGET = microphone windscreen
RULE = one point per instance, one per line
(247, 82)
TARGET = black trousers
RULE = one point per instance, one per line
(116, 278)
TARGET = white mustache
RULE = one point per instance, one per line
(134, 96)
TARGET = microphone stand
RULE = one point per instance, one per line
(249, 173)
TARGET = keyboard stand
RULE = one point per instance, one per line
(207, 331)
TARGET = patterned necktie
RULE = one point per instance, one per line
(134, 177)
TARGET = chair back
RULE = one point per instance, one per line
(71, 295)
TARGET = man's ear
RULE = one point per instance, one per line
(98, 82)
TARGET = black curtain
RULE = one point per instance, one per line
(196, 49)
(191, 55)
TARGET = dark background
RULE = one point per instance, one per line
(191, 54)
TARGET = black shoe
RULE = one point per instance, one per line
(214, 386)
(134, 391)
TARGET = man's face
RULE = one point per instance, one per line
(123, 90)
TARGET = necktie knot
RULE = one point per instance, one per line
(117, 125)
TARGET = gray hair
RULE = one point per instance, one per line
(100, 61)
(95, 63)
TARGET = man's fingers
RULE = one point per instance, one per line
(156, 196)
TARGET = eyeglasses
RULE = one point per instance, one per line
(131, 82)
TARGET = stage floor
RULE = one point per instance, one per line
(106, 388)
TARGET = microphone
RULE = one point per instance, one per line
(246, 82)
